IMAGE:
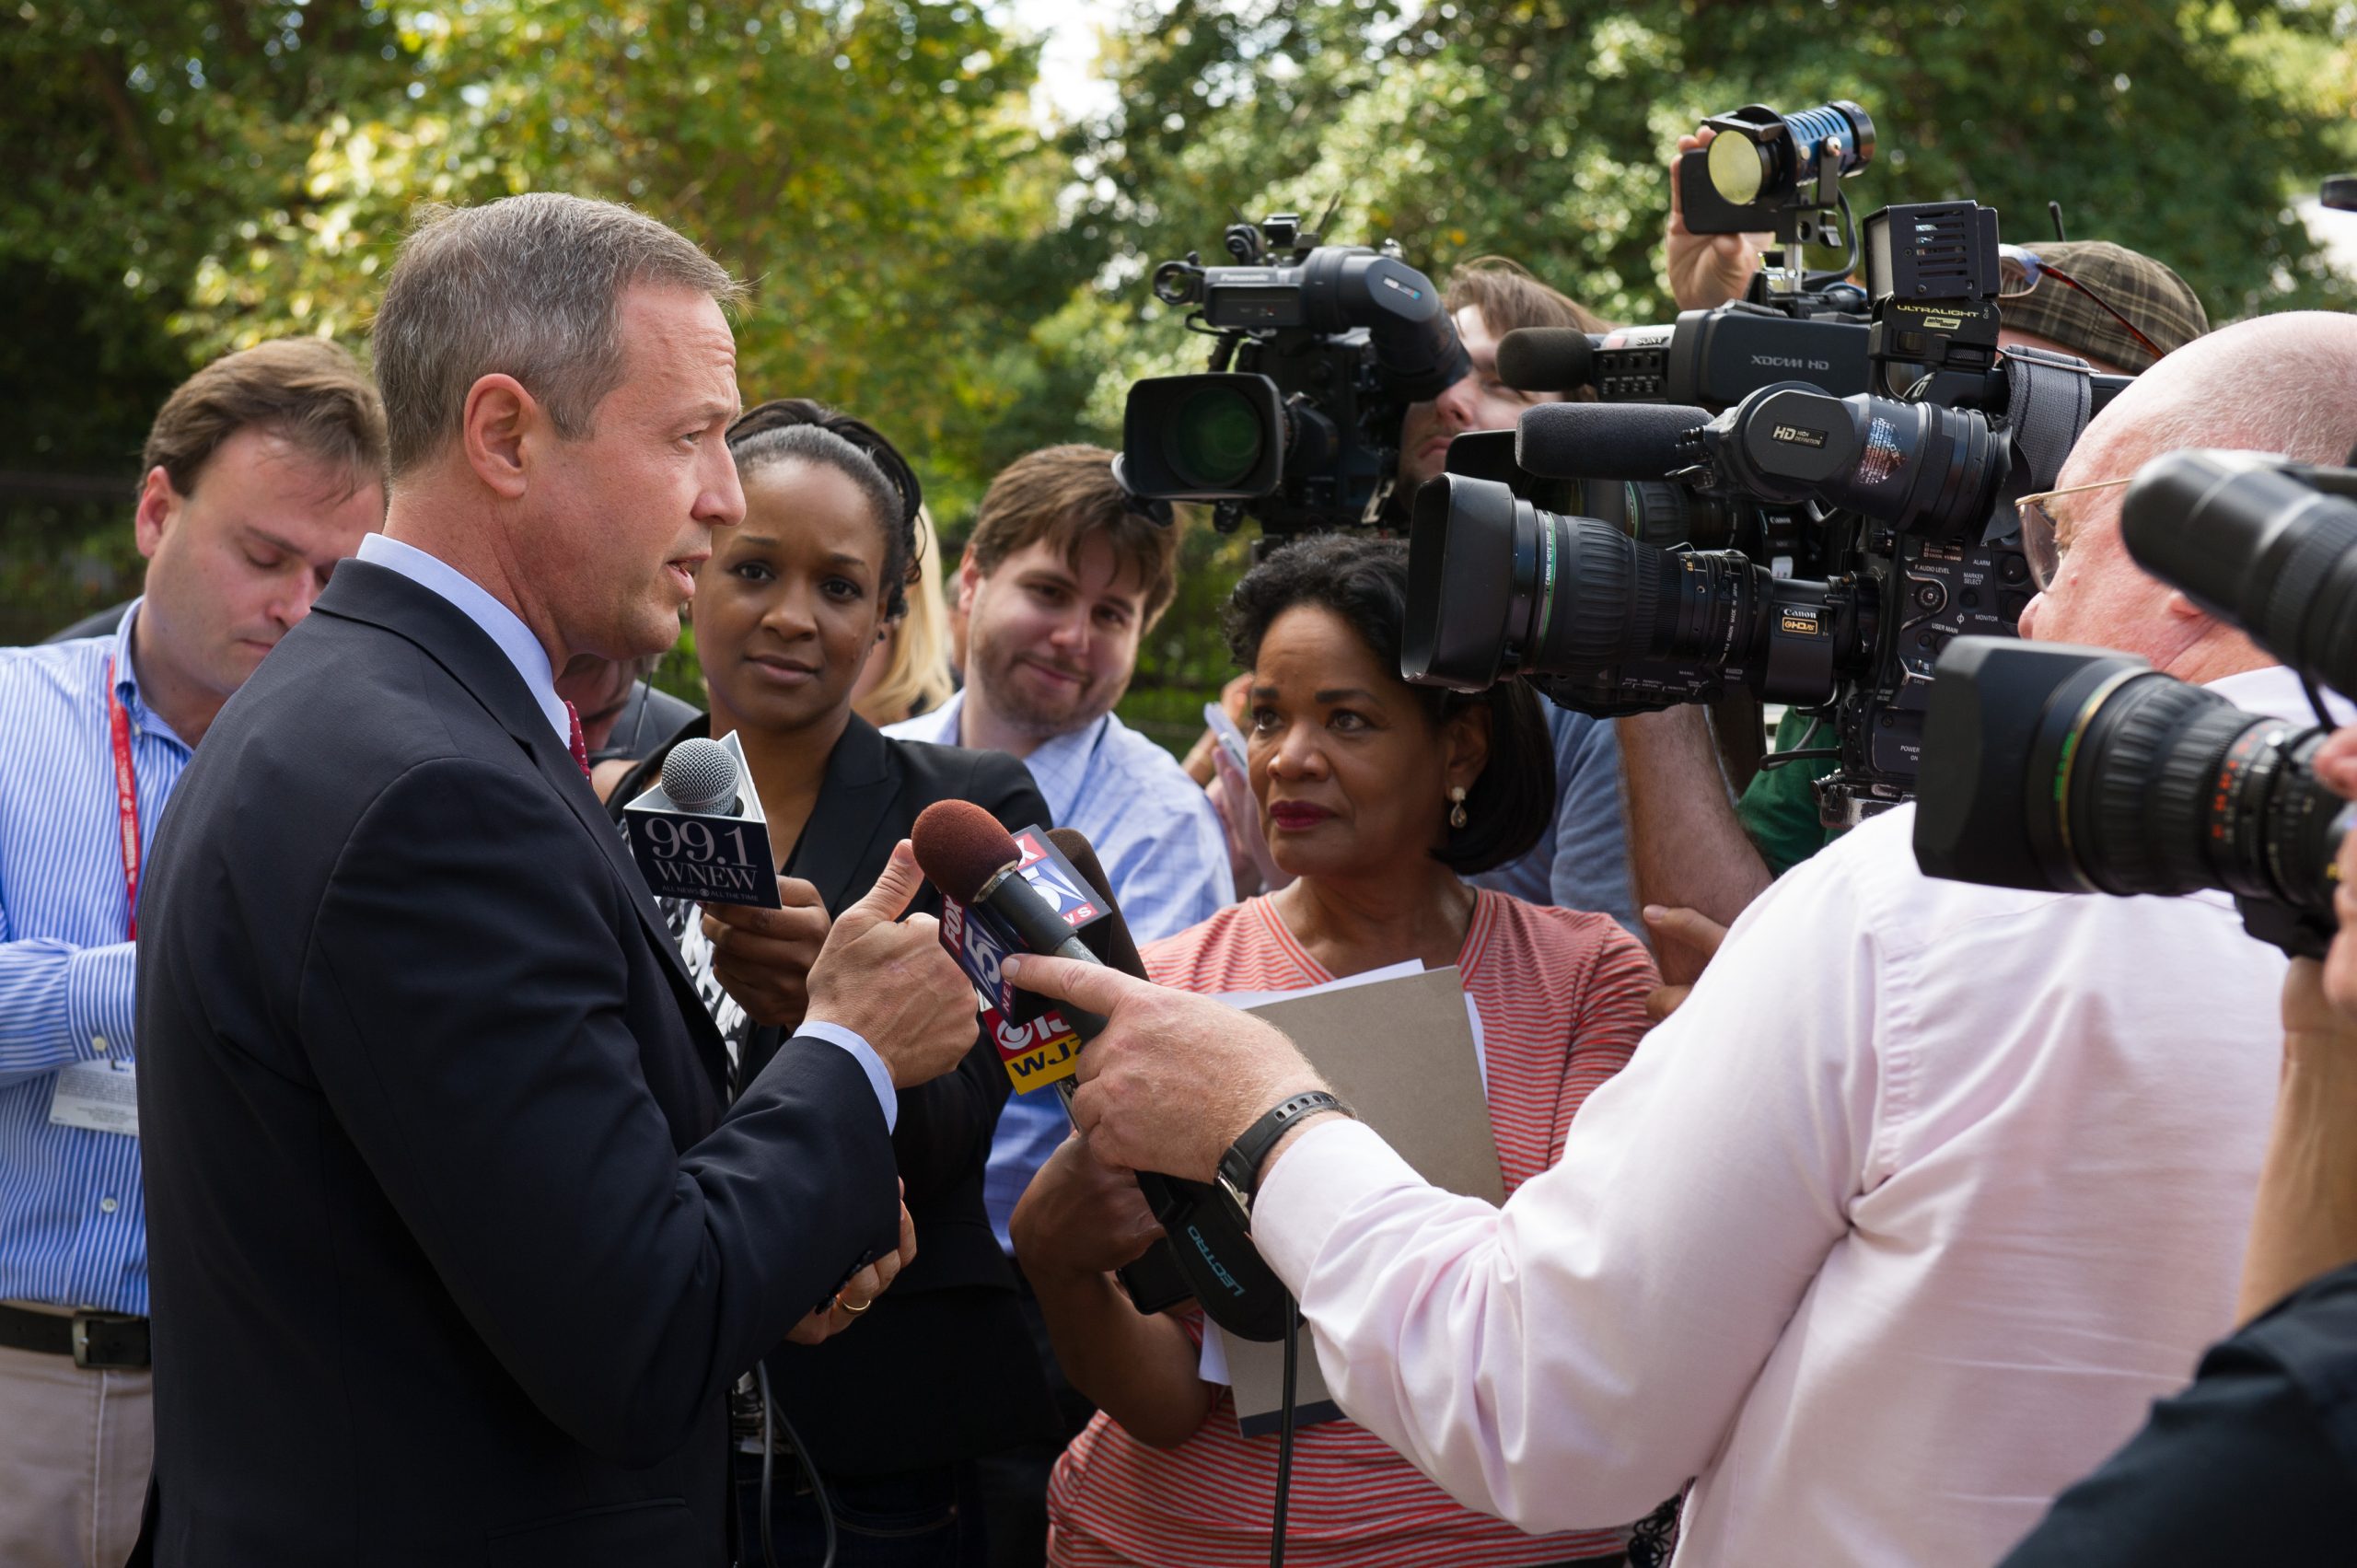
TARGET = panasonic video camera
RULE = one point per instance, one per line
(1318, 354)
(1896, 500)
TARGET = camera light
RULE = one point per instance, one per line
(1739, 166)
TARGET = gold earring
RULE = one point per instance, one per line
(1457, 806)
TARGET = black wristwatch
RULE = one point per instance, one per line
(1239, 1169)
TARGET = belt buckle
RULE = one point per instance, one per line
(81, 1341)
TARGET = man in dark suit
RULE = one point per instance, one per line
(455, 1249)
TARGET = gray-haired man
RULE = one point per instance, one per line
(455, 1251)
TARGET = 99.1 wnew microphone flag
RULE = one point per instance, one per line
(700, 833)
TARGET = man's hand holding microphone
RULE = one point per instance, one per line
(885, 978)
(1173, 1078)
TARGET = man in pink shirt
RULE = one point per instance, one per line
(1897, 1225)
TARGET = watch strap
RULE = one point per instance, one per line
(1241, 1165)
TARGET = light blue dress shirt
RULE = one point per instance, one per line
(1163, 850)
(72, 1229)
(1581, 862)
(505, 627)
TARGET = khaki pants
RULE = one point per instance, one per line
(75, 1447)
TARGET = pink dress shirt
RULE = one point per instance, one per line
(1888, 1235)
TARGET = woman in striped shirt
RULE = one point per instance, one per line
(1376, 796)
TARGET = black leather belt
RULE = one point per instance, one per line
(111, 1342)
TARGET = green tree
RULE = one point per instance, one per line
(1539, 130)
(204, 176)
(140, 136)
(188, 176)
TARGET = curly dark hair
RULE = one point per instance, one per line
(802, 430)
(1365, 581)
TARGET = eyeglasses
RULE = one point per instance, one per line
(2041, 540)
(2018, 272)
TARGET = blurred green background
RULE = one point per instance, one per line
(939, 241)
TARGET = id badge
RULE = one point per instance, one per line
(102, 1097)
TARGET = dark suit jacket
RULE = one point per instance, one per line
(944, 1368)
(454, 1252)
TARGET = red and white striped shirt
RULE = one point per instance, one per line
(1562, 999)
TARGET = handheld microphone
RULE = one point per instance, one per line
(1546, 359)
(991, 908)
(701, 834)
(972, 858)
(1608, 440)
(1153, 1280)
(975, 862)
(1119, 949)
(700, 778)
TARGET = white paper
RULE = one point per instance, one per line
(1257, 998)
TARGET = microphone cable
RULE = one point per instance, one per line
(1284, 1433)
(769, 1412)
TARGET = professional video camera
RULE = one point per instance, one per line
(1330, 346)
(1905, 502)
(1761, 171)
(2080, 770)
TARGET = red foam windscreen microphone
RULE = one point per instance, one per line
(971, 857)
(961, 847)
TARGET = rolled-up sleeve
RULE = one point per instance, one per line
(1569, 1360)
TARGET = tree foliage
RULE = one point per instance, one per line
(188, 176)
(1540, 129)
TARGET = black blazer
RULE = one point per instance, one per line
(943, 1369)
(454, 1251)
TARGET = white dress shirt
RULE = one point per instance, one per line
(480, 604)
(515, 639)
(1888, 1235)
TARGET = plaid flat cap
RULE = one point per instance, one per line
(2164, 308)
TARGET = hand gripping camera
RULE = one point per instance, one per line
(1901, 493)
(1317, 357)
(1762, 170)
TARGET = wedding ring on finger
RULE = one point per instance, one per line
(847, 1307)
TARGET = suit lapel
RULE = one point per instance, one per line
(855, 802)
(363, 591)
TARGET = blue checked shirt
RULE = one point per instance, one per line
(1164, 851)
(72, 1216)
(1582, 863)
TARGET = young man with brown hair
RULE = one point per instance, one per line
(1062, 578)
(1486, 297)
(262, 470)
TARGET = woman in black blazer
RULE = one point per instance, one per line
(941, 1370)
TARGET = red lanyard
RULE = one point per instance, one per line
(126, 801)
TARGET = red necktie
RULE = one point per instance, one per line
(580, 746)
